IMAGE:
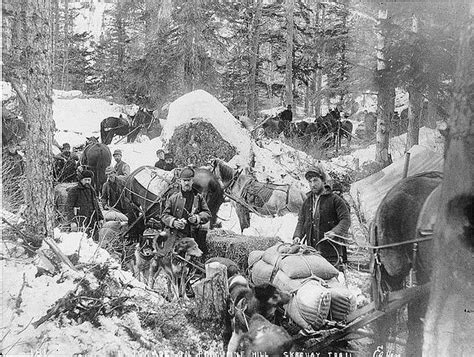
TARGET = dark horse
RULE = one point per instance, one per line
(148, 187)
(111, 126)
(396, 220)
(96, 157)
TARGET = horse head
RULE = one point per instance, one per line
(92, 140)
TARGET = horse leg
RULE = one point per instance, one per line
(416, 311)
(384, 326)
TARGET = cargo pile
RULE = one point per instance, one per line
(316, 294)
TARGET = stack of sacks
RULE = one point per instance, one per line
(112, 214)
(311, 279)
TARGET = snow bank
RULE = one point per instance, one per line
(77, 118)
(199, 105)
(430, 139)
(371, 190)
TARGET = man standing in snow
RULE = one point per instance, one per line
(169, 162)
(122, 169)
(286, 117)
(82, 205)
(323, 214)
(186, 211)
(287, 114)
(160, 153)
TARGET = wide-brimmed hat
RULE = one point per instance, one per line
(186, 173)
(117, 152)
(315, 172)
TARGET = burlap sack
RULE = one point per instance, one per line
(254, 257)
(343, 301)
(114, 215)
(299, 262)
(261, 273)
(309, 307)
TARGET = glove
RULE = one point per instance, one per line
(179, 224)
(100, 223)
(296, 240)
(194, 219)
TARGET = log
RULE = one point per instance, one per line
(212, 294)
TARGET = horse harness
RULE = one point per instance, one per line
(257, 190)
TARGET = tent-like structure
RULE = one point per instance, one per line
(370, 191)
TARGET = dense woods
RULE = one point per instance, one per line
(260, 54)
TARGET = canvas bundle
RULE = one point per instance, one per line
(309, 306)
(299, 262)
(343, 301)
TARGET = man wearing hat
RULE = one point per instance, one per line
(169, 164)
(65, 164)
(122, 169)
(111, 190)
(186, 211)
(160, 153)
(82, 206)
(112, 197)
(323, 214)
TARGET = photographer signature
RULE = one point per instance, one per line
(379, 352)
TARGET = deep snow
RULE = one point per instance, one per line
(77, 117)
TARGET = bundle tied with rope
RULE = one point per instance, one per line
(310, 279)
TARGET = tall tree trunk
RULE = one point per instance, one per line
(450, 317)
(385, 100)
(54, 40)
(432, 106)
(65, 65)
(307, 97)
(415, 102)
(39, 118)
(253, 91)
(290, 23)
(414, 113)
(318, 80)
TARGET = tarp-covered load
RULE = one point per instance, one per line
(153, 179)
(371, 190)
(308, 277)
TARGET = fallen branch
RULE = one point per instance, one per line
(19, 300)
(61, 303)
(48, 241)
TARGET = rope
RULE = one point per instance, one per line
(368, 246)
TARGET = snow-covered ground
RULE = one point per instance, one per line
(28, 297)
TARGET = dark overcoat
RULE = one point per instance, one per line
(331, 214)
(174, 209)
(85, 199)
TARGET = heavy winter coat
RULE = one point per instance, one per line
(111, 195)
(174, 209)
(123, 170)
(331, 214)
(84, 198)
